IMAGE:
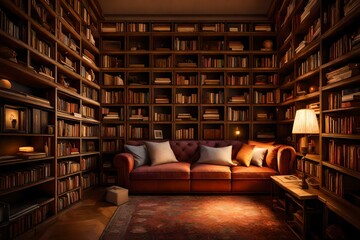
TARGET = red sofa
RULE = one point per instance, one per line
(187, 176)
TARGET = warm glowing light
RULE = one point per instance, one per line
(26, 149)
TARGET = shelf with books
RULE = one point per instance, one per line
(32, 211)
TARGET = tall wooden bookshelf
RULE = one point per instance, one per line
(50, 54)
(324, 34)
(187, 79)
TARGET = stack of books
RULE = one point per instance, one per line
(32, 155)
(162, 99)
(160, 80)
(350, 70)
(262, 116)
(111, 116)
(236, 46)
(307, 9)
(89, 57)
(184, 117)
(301, 45)
(314, 106)
(350, 97)
(68, 63)
(162, 28)
(186, 28)
(263, 28)
(211, 114)
(239, 99)
(187, 64)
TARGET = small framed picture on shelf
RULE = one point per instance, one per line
(158, 134)
(13, 119)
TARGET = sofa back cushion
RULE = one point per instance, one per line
(189, 150)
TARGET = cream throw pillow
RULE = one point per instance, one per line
(258, 156)
(217, 156)
(160, 153)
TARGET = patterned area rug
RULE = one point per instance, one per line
(197, 217)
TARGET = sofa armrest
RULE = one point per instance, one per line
(285, 159)
(124, 163)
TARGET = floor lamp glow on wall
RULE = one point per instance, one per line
(305, 123)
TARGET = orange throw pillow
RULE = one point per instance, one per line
(271, 157)
(244, 155)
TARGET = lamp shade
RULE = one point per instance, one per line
(305, 122)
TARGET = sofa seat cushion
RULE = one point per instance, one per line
(178, 170)
(210, 171)
(252, 172)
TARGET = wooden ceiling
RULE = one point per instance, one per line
(113, 8)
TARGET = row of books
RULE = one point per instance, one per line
(113, 131)
(238, 80)
(89, 92)
(67, 167)
(342, 124)
(112, 145)
(66, 129)
(88, 180)
(188, 98)
(112, 62)
(311, 63)
(112, 96)
(68, 184)
(88, 112)
(112, 27)
(237, 114)
(345, 155)
(138, 132)
(161, 117)
(138, 97)
(264, 97)
(186, 80)
(69, 198)
(66, 149)
(31, 217)
(110, 80)
(64, 105)
(25, 175)
(214, 133)
(185, 133)
(89, 130)
(333, 181)
(311, 168)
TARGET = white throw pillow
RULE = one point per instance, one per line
(217, 156)
(258, 156)
(160, 153)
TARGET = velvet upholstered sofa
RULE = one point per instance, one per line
(187, 175)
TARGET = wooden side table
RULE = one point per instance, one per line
(303, 210)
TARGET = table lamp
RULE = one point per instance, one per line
(305, 123)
